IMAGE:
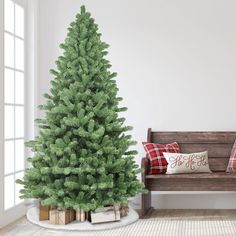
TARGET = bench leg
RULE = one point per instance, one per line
(146, 197)
(146, 204)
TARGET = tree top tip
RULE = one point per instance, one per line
(82, 9)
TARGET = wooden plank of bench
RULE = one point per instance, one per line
(218, 164)
(191, 184)
(193, 137)
(214, 149)
(214, 175)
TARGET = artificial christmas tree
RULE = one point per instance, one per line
(82, 157)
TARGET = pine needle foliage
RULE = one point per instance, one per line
(82, 156)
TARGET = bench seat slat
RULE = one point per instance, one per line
(214, 175)
(191, 184)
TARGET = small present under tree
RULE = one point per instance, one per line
(82, 157)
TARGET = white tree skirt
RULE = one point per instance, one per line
(32, 216)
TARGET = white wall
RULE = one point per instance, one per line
(176, 62)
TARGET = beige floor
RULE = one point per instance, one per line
(23, 228)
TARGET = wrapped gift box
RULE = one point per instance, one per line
(80, 215)
(43, 212)
(124, 210)
(61, 216)
(72, 215)
(105, 214)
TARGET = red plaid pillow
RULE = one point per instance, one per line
(232, 160)
(158, 163)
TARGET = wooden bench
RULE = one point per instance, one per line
(218, 145)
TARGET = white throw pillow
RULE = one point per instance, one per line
(187, 163)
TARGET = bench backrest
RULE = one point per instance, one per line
(218, 144)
